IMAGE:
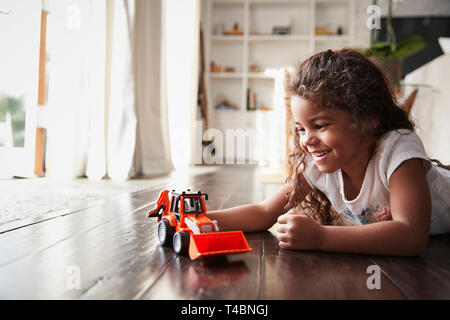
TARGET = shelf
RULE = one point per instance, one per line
(239, 75)
(334, 15)
(271, 37)
(331, 38)
(259, 75)
(230, 110)
(228, 1)
(227, 37)
(263, 17)
(225, 75)
(326, 2)
(262, 45)
(277, 2)
(259, 111)
(262, 37)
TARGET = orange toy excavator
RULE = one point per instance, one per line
(183, 224)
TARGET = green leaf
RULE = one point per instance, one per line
(379, 45)
(364, 51)
(408, 47)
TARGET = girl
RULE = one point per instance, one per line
(360, 180)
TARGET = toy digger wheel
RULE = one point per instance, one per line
(181, 242)
(165, 232)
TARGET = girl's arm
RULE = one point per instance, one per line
(406, 234)
(252, 217)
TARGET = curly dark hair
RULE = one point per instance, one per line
(349, 81)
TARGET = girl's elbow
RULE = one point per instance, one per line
(420, 242)
(417, 247)
(412, 239)
(421, 246)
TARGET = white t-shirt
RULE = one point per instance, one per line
(372, 202)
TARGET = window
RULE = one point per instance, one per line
(20, 27)
(193, 205)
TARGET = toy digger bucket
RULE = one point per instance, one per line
(217, 243)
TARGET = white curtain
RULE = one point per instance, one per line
(182, 23)
(108, 111)
(152, 141)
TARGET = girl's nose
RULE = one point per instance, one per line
(308, 138)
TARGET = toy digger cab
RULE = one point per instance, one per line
(184, 226)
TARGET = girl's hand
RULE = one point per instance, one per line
(297, 231)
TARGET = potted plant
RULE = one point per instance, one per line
(389, 54)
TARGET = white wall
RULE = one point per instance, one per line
(362, 33)
(411, 8)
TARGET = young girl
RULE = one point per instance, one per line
(360, 180)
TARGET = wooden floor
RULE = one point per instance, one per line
(111, 251)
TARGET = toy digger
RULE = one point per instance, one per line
(183, 224)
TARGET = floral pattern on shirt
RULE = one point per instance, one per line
(369, 215)
(347, 214)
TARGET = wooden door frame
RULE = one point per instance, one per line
(39, 169)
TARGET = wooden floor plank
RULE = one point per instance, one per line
(232, 277)
(423, 277)
(291, 274)
(97, 250)
(38, 237)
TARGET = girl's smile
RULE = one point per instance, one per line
(330, 137)
(319, 156)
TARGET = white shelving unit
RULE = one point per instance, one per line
(272, 53)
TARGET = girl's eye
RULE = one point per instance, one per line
(317, 127)
(321, 126)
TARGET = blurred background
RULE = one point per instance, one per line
(121, 89)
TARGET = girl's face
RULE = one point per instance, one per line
(329, 136)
